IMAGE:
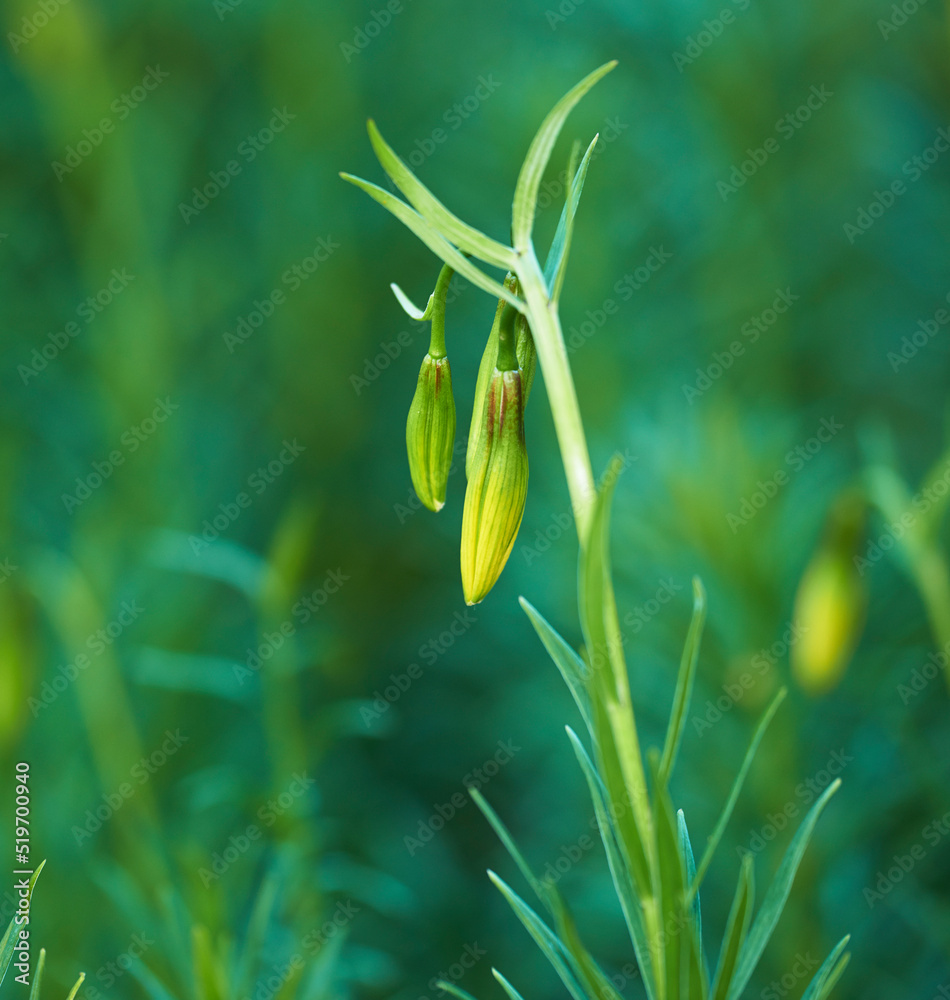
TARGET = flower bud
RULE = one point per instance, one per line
(430, 429)
(497, 475)
(830, 604)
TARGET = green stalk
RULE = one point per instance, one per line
(545, 323)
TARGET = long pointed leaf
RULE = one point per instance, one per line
(829, 973)
(720, 827)
(684, 682)
(775, 898)
(554, 264)
(513, 994)
(433, 211)
(737, 927)
(619, 870)
(429, 235)
(539, 152)
(571, 666)
(542, 934)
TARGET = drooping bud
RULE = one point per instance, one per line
(497, 471)
(430, 429)
(830, 603)
(527, 362)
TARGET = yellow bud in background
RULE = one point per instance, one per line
(830, 603)
(430, 431)
(497, 471)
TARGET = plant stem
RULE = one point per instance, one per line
(552, 354)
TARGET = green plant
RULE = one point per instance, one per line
(656, 877)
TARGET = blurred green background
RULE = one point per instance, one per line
(205, 382)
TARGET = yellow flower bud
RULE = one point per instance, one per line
(497, 474)
(830, 604)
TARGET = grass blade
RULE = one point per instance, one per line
(554, 265)
(454, 990)
(829, 973)
(619, 868)
(542, 934)
(737, 927)
(76, 985)
(778, 892)
(717, 833)
(38, 975)
(572, 168)
(684, 682)
(513, 994)
(434, 240)
(690, 862)
(572, 667)
(464, 236)
(539, 152)
(505, 837)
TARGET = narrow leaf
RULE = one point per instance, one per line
(38, 975)
(717, 833)
(554, 264)
(572, 667)
(684, 682)
(513, 994)
(539, 152)
(409, 307)
(687, 850)
(505, 837)
(455, 991)
(737, 927)
(775, 898)
(434, 240)
(829, 973)
(555, 288)
(76, 985)
(433, 211)
(619, 868)
(542, 934)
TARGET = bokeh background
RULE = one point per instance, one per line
(213, 566)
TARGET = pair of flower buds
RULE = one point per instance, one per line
(496, 461)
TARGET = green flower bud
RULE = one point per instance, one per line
(430, 429)
(497, 474)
